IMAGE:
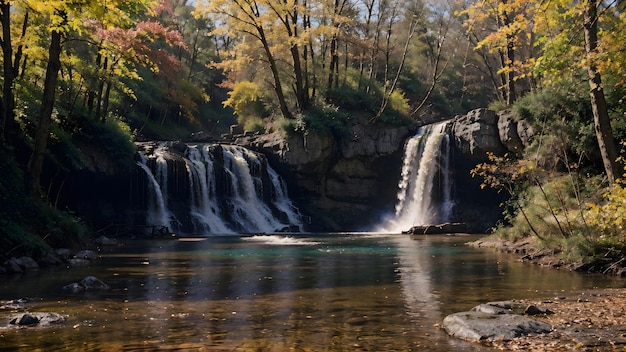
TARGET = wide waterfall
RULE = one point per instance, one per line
(214, 189)
(425, 191)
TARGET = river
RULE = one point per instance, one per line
(301, 292)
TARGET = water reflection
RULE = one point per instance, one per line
(337, 292)
(415, 277)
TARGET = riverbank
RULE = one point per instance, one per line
(591, 320)
(587, 320)
(531, 250)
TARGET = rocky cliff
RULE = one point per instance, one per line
(343, 183)
(349, 183)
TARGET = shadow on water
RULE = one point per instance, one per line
(323, 292)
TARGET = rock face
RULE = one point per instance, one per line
(347, 182)
(477, 133)
(343, 182)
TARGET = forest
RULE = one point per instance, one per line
(107, 73)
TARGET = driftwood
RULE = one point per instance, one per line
(448, 227)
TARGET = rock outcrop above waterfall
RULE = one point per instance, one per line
(344, 183)
(483, 131)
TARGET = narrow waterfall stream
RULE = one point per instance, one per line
(215, 189)
(425, 191)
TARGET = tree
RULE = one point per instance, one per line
(602, 123)
(507, 24)
(11, 63)
(566, 53)
(35, 163)
(251, 18)
(63, 18)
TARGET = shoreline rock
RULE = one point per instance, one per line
(530, 251)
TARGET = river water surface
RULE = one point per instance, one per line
(305, 292)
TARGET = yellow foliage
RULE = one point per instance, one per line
(610, 216)
(242, 96)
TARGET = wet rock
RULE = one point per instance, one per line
(445, 228)
(93, 283)
(86, 254)
(502, 307)
(25, 319)
(28, 263)
(12, 266)
(89, 283)
(479, 326)
(50, 259)
(14, 304)
(37, 319)
(78, 262)
(105, 241)
(74, 287)
(63, 253)
(534, 310)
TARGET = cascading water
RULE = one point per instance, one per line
(157, 212)
(215, 189)
(425, 195)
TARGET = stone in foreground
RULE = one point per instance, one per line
(479, 326)
(37, 319)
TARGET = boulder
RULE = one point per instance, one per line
(507, 128)
(477, 133)
(89, 283)
(74, 287)
(445, 228)
(50, 259)
(28, 263)
(478, 326)
(14, 304)
(63, 253)
(78, 262)
(236, 129)
(86, 254)
(93, 283)
(37, 319)
(526, 132)
(12, 266)
(105, 241)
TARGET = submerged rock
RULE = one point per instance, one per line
(89, 283)
(14, 304)
(105, 241)
(86, 254)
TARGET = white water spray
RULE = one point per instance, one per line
(425, 189)
(243, 195)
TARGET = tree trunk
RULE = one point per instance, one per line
(601, 120)
(278, 89)
(8, 101)
(35, 164)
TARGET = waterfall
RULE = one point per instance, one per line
(157, 212)
(425, 191)
(215, 189)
